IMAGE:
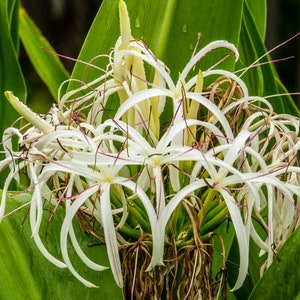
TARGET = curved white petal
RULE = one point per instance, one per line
(243, 239)
(215, 110)
(236, 146)
(35, 228)
(208, 48)
(92, 265)
(110, 234)
(156, 229)
(138, 98)
(37, 202)
(7, 182)
(70, 214)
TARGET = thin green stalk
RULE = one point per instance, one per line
(208, 200)
(215, 222)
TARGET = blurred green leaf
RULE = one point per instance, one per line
(26, 274)
(48, 65)
(281, 280)
(248, 55)
(11, 77)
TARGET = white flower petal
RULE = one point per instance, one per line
(236, 146)
(215, 111)
(243, 239)
(208, 48)
(139, 97)
(66, 228)
(110, 234)
(7, 182)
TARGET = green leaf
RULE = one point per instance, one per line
(26, 274)
(258, 10)
(11, 75)
(289, 104)
(13, 20)
(48, 65)
(226, 233)
(262, 80)
(253, 270)
(169, 28)
(248, 55)
(281, 280)
(255, 263)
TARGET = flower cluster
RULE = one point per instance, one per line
(136, 155)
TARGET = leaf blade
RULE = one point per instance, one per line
(41, 54)
(11, 75)
(26, 272)
(283, 274)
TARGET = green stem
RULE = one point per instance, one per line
(215, 222)
(208, 200)
(136, 215)
(130, 232)
(215, 208)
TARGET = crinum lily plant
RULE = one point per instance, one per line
(153, 167)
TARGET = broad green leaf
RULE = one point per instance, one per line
(248, 53)
(100, 39)
(169, 28)
(26, 274)
(13, 20)
(261, 79)
(281, 280)
(171, 32)
(48, 65)
(258, 10)
(289, 105)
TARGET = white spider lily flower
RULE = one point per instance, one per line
(130, 171)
